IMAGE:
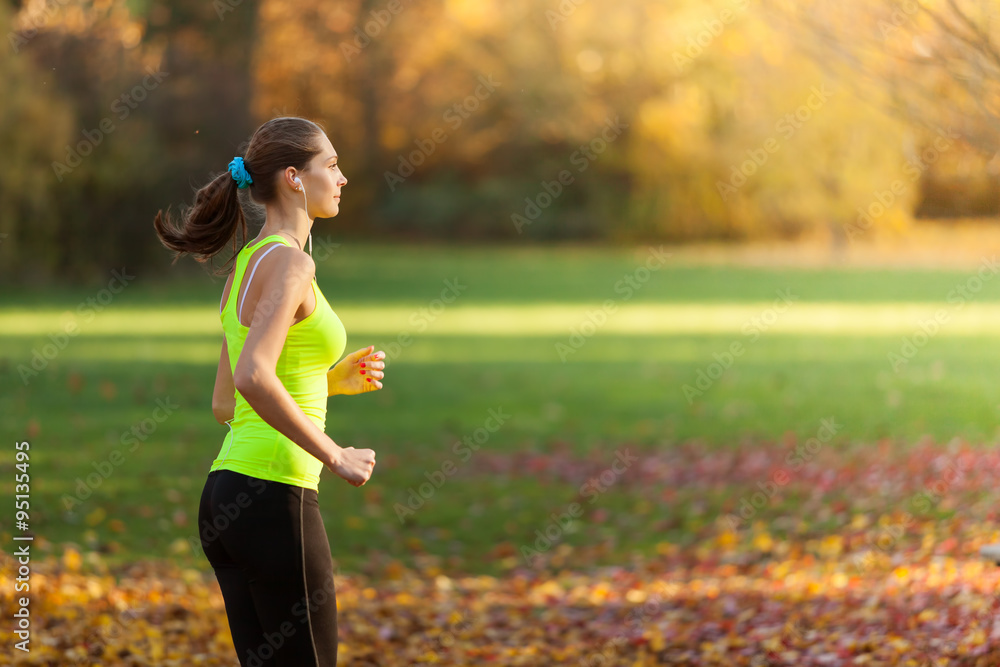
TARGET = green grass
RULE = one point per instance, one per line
(495, 346)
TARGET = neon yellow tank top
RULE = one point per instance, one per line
(314, 344)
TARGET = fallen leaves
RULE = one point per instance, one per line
(843, 566)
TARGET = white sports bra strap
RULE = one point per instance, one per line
(239, 316)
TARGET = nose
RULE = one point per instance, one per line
(343, 180)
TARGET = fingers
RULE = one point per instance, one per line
(374, 357)
(372, 367)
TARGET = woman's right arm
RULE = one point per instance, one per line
(283, 290)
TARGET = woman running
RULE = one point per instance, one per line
(259, 519)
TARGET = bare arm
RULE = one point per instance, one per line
(224, 395)
(255, 378)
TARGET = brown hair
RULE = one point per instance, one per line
(206, 227)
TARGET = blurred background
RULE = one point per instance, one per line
(690, 93)
(689, 308)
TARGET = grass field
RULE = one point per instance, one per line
(813, 344)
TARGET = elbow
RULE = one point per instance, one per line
(246, 384)
(243, 385)
(223, 413)
(252, 379)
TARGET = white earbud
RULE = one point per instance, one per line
(302, 187)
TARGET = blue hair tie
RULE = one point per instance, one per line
(239, 173)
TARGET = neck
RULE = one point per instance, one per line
(294, 226)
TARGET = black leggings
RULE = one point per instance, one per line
(268, 546)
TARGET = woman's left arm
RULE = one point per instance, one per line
(224, 395)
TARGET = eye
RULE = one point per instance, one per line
(334, 165)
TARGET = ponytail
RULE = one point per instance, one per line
(212, 222)
(208, 225)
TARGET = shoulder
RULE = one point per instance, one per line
(291, 264)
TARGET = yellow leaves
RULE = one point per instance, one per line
(394, 570)
(636, 596)
(177, 617)
(599, 594)
(180, 546)
(156, 649)
(96, 516)
(976, 638)
(405, 599)
(727, 540)
(666, 548)
(72, 559)
(547, 589)
(831, 546)
(675, 122)
(763, 542)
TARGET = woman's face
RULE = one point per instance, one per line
(322, 182)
